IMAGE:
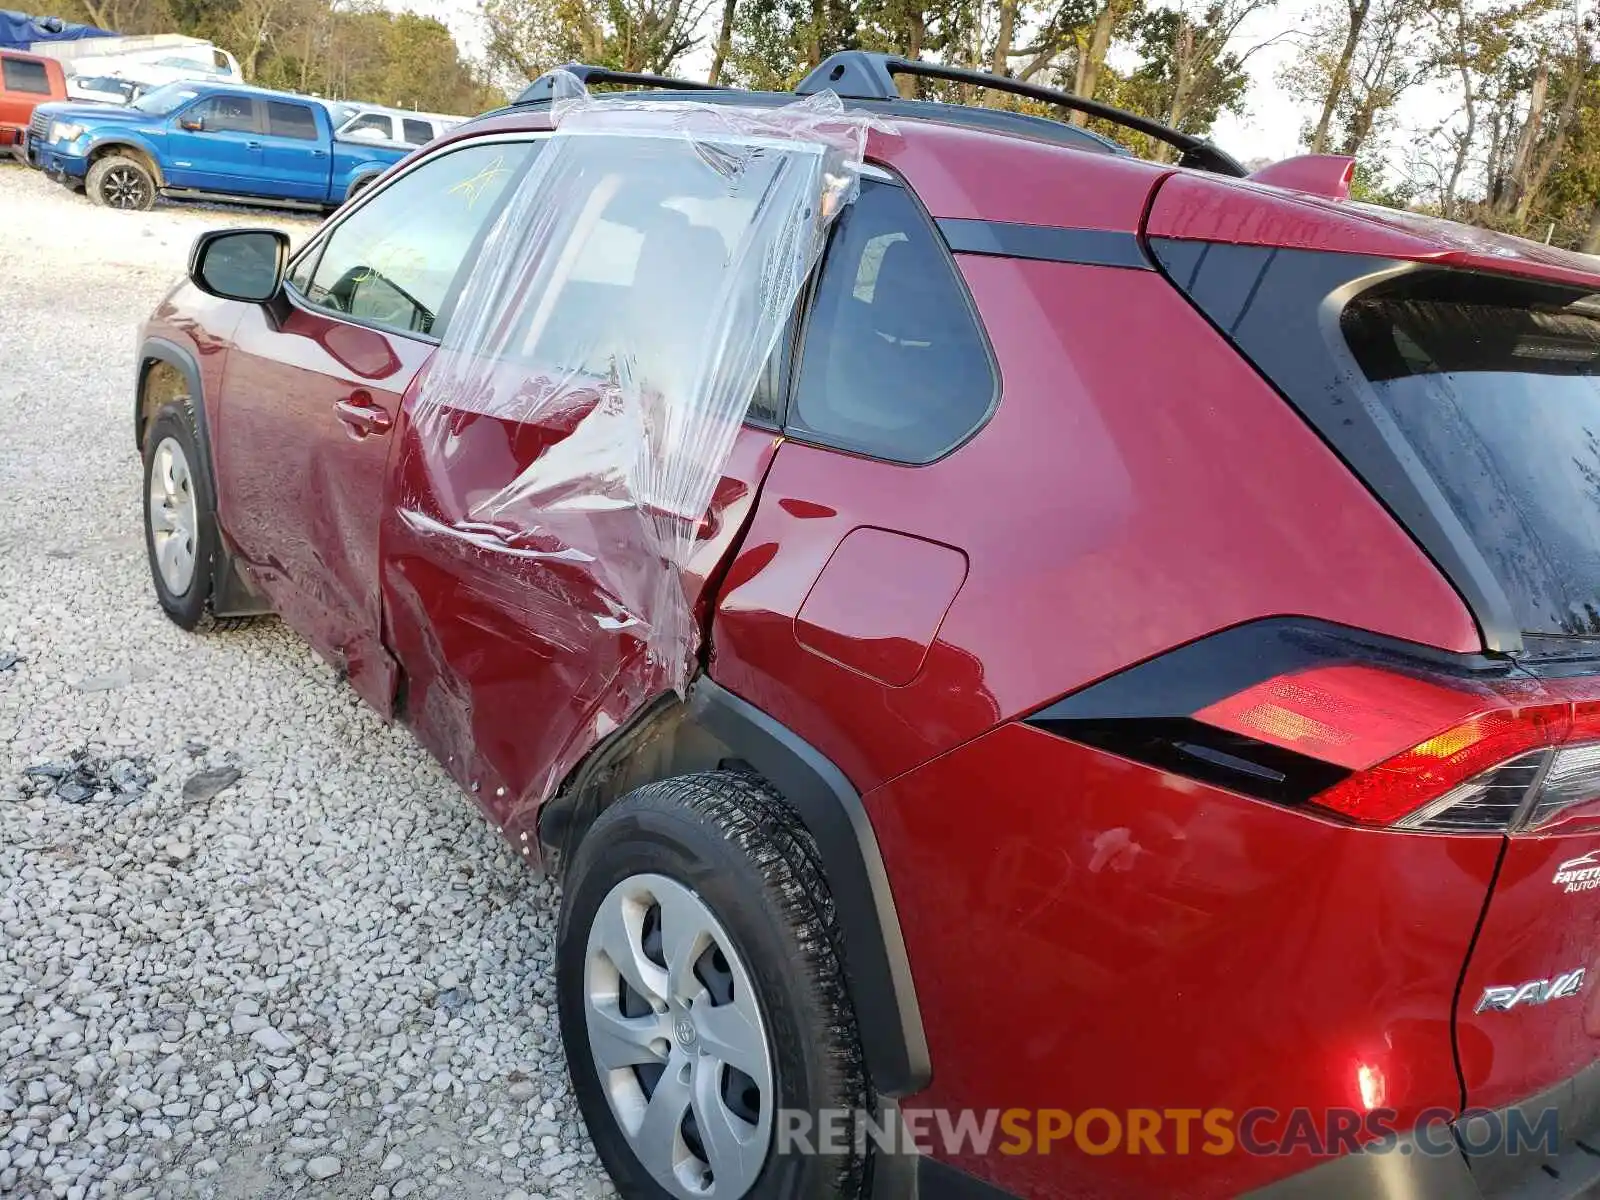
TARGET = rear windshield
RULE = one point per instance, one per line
(1496, 388)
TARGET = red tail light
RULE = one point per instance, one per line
(1366, 735)
(1425, 755)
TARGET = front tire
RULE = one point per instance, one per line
(702, 998)
(180, 524)
(118, 181)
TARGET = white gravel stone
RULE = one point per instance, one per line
(270, 1040)
(187, 972)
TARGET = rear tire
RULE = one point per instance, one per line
(180, 526)
(117, 181)
(710, 891)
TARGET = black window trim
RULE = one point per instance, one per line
(881, 175)
(315, 247)
(1045, 243)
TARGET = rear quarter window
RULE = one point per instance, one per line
(894, 364)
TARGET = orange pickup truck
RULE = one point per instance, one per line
(26, 81)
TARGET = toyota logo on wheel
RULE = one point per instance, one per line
(683, 1027)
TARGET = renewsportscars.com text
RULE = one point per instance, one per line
(1159, 1131)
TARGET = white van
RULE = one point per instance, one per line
(149, 59)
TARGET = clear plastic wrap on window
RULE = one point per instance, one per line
(606, 343)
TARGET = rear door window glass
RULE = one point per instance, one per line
(646, 234)
(291, 121)
(894, 364)
(1497, 391)
(417, 132)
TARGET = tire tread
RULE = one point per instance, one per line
(752, 815)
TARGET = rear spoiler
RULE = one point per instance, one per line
(1326, 175)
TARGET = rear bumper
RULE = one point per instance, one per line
(1555, 1156)
(1546, 1148)
(1574, 1164)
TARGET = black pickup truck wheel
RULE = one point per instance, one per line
(121, 182)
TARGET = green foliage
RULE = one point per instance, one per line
(776, 42)
(338, 50)
(1370, 187)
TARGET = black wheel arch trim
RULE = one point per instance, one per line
(156, 349)
(712, 728)
(231, 592)
(875, 958)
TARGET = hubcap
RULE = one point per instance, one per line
(678, 1040)
(123, 188)
(173, 516)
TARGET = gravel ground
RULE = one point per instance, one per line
(253, 943)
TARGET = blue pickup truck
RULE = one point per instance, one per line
(205, 141)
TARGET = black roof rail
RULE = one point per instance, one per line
(543, 88)
(864, 75)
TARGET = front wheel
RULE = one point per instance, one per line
(179, 516)
(117, 181)
(703, 1007)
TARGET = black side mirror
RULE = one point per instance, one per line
(240, 264)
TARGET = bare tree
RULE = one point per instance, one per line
(724, 41)
(1355, 12)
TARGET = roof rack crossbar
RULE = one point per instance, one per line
(863, 75)
(543, 88)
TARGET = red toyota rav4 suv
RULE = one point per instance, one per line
(1145, 727)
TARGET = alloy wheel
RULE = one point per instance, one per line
(174, 516)
(678, 1039)
(123, 187)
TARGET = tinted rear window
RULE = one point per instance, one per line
(1496, 388)
(291, 121)
(21, 75)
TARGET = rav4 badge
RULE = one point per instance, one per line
(1535, 991)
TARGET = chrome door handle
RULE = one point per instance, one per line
(362, 416)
